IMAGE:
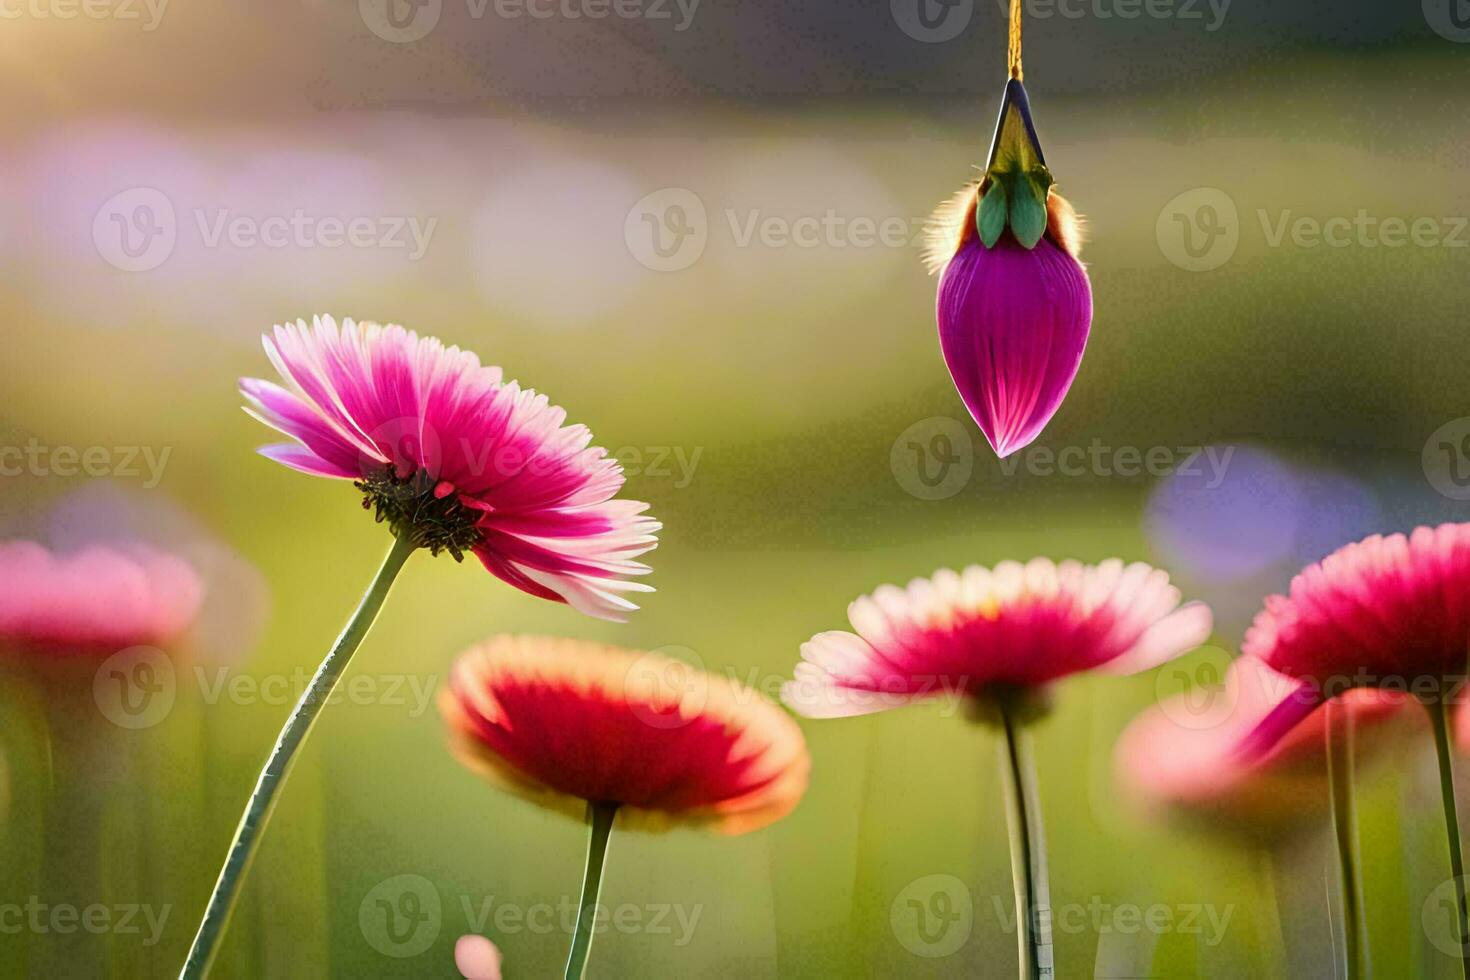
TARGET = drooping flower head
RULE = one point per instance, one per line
(1389, 612)
(454, 456)
(565, 722)
(1014, 306)
(96, 600)
(985, 631)
(1180, 755)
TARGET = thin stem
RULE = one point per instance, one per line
(1439, 721)
(1345, 829)
(1273, 943)
(1013, 42)
(1028, 852)
(599, 824)
(278, 766)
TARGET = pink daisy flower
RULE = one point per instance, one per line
(1181, 754)
(96, 600)
(455, 457)
(983, 630)
(566, 722)
(1390, 612)
(1014, 306)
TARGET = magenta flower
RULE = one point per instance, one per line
(93, 601)
(1386, 612)
(1014, 304)
(999, 637)
(986, 631)
(1390, 612)
(450, 453)
(453, 458)
(1181, 754)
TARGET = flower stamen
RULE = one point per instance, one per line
(413, 508)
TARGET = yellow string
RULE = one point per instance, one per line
(1013, 50)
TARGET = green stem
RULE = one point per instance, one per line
(1345, 829)
(1439, 721)
(599, 823)
(278, 766)
(1028, 852)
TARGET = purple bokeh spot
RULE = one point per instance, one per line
(1228, 521)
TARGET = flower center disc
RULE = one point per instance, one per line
(409, 506)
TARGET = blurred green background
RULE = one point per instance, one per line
(770, 374)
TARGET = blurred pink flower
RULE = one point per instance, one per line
(1390, 612)
(96, 600)
(1181, 753)
(1016, 626)
(457, 458)
(565, 721)
(477, 958)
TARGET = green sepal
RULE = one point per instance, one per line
(990, 218)
(1028, 208)
(1017, 178)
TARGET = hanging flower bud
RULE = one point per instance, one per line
(1014, 304)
